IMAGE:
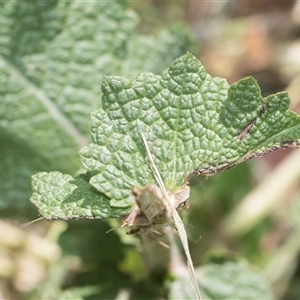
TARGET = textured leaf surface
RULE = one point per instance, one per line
(53, 56)
(232, 280)
(69, 198)
(34, 135)
(226, 280)
(194, 123)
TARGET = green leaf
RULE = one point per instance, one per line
(232, 280)
(194, 124)
(28, 27)
(34, 135)
(53, 56)
(69, 198)
(222, 277)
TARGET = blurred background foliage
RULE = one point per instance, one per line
(251, 211)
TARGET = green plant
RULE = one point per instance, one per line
(193, 123)
(53, 58)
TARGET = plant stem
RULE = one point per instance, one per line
(156, 257)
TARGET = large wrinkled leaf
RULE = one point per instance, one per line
(193, 123)
(53, 56)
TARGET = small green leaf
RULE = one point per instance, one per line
(223, 279)
(60, 196)
(232, 280)
(194, 124)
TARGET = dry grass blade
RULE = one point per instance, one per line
(31, 222)
(172, 213)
